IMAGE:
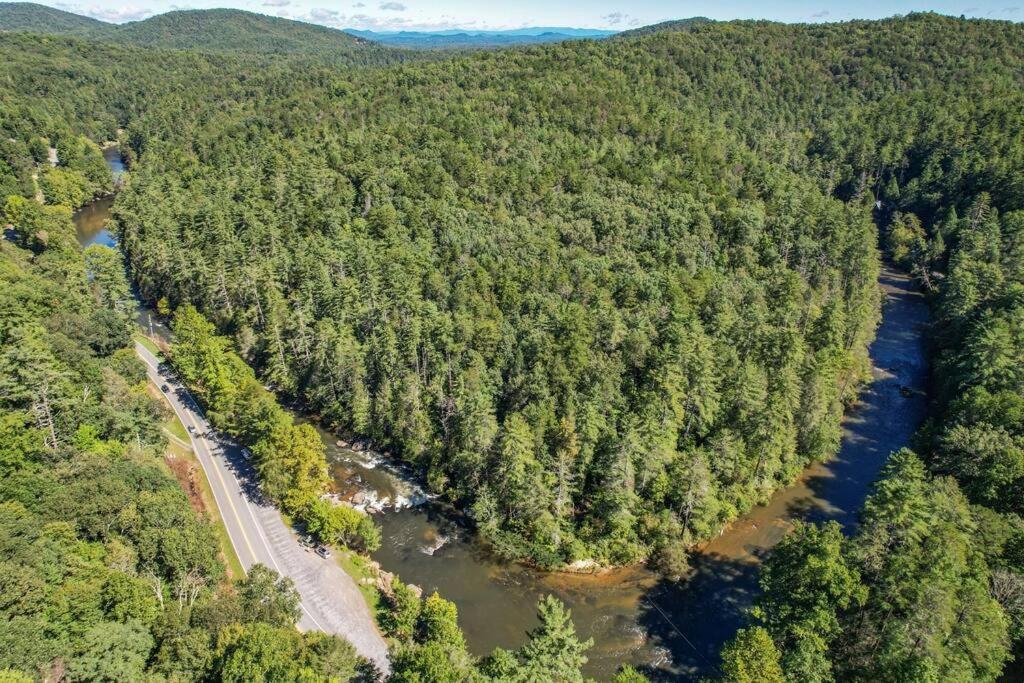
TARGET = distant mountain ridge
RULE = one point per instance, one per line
(28, 16)
(221, 30)
(234, 30)
(474, 38)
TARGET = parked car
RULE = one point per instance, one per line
(323, 551)
(247, 454)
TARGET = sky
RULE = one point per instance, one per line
(396, 15)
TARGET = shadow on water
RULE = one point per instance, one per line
(690, 619)
(694, 618)
(670, 630)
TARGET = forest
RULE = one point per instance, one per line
(606, 297)
(610, 338)
(106, 571)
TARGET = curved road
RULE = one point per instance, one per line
(331, 601)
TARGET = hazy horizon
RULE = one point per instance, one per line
(389, 16)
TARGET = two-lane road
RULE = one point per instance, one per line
(331, 601)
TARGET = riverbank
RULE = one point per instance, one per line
(331, 600)
(670, 630)
(673, 630)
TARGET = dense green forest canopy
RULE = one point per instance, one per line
(550, 329)
(610, 295)
(29, 16)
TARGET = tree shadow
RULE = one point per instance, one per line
(693, 619)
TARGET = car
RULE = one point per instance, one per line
(247, 454)
(192, 430)
(323, 551)
(165, 388)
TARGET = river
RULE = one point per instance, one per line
(670, 630)
(92, 226)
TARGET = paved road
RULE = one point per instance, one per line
(331, 601)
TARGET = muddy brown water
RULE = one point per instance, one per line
(92, 226)
(670, 630)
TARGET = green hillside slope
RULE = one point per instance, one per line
(219, 30)
(230, 29)
(28, 16)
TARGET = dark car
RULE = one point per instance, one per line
(165, 388)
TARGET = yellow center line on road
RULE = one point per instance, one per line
(241, 527)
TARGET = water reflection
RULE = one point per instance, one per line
(91, 223)
(667, 629)
(92, 227)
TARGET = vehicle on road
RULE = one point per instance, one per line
(192, 430)
(165, 388)
(323, 551)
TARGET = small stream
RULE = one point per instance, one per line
(670, 630)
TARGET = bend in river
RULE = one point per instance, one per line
(668, 629)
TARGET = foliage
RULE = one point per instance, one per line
(907, 599)
(607, 296)
(290, 458)
(106, 571)
(214, 30)
(751, 657)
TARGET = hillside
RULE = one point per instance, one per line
(233, 30)
(605, 296)
(230, 29)
(28, 16)
(673, 25)
(213, 30)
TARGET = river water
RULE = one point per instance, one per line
(92, 226)
(670, 630)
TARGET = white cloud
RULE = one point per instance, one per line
(320, 15)
(393, 6)
(620, 19)
(821, 15)
(276, 3)
(114, 14)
